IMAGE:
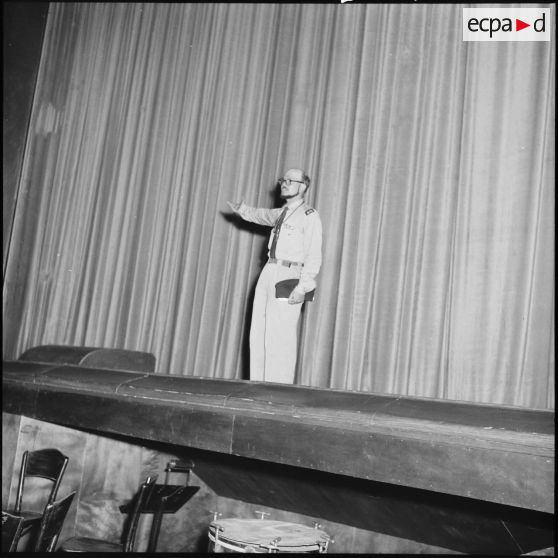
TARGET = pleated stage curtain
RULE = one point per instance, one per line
(432, 166)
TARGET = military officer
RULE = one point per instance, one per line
(294, 252)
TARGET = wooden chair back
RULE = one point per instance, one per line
(48, 464)
(52, 523)
(12, 526)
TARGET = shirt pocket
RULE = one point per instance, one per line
(292, 232)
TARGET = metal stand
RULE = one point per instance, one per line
(166, 498)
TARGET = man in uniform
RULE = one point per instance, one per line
(294, 252)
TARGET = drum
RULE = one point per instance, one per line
(264, 535)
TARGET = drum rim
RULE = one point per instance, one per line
(322, 536)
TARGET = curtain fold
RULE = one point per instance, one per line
(432, 166)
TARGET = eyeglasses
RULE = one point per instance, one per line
(288, 181)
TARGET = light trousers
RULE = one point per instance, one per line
(273, 331)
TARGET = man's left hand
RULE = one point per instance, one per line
(296, 297)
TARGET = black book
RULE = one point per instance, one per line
(283, 289)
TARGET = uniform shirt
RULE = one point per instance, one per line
(300, 237)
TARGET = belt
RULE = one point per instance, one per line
(286, 263)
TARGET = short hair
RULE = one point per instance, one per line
(306, 180)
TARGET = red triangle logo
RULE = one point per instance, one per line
(519, 25)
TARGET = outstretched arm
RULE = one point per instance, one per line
(259, 215)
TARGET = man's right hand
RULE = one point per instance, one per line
(234, 206)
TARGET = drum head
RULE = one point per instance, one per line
(288, 537)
